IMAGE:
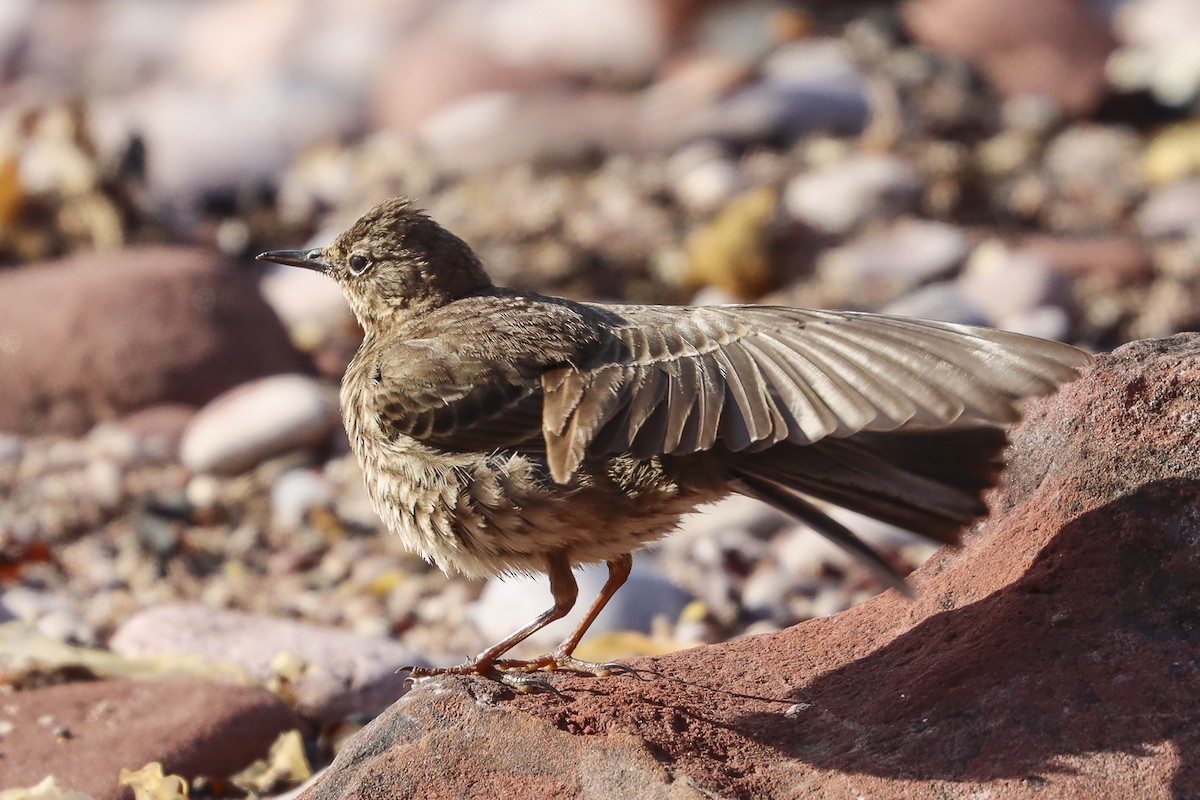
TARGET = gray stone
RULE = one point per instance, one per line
(878, 267)
(1171, 210)
(295, 493)
(839, 197)
(258, 420)
(944, 301)
(340, 674)
(1005, 283)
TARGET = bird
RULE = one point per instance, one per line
(508, 432)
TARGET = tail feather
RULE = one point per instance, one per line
(928, 481)
(792, 503)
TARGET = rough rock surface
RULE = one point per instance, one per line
(85, 733)
(1057, 654)
(99, 335)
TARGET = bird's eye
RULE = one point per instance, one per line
(359, 264)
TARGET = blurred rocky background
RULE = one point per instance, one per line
(177, 497)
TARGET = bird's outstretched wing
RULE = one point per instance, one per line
(671, 380)
(574, 381)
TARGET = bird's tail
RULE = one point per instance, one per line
(929, 481)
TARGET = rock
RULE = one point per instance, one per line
(1173, 153)
(258, 420)
(1056, 48)
(879, 267)
(945, 301)
(1114, 258)
(1045, 322)
(1003, 284)
(103, 334)
(294, 494)
(54, 616)
(623, 45)
(340, 674)
(508, 603)
(703, 178)
(1055, 653)
(733, 252)
(841, 196)
(159, 428)
(1160, 40)
(807, 86)
(85, 733)
(256, 38)
(202, 141)
(1094, 176)
(395, 759)
(1171, 210)
(309, 303)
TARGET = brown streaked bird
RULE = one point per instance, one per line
(502, 431)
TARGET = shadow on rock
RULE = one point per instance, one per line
(1096, 654)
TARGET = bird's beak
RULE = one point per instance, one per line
(309, 259)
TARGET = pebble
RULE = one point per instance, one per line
(944, 301)
(309, 303)
(11, 447)
(704, 179)
(1171, 211)
(295, 493)
(1173, 154)
(1046, 322)
(507, 603)
(257, 420)
(158, 429)
(1161, 39)
(841, 196)
(1004, 283)
(54, 616)
(807, 86)
(879, 267)
(339, 674)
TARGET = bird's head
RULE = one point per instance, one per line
(394, 260)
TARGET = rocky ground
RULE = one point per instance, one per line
(177, 499)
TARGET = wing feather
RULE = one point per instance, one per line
(747, 377)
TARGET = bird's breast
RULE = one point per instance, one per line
(486, 513)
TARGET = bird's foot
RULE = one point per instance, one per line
(560, 662)
(518, 682)
(520, 674)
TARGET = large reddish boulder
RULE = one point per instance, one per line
(101, 334)
(85, 733)
(1054, 48)
(1058, 651)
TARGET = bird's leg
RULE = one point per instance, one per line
(562, 657)
(564, 590)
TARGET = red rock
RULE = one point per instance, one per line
(1058, 652)
(192, 727)
(1056, 48)
(99, 335)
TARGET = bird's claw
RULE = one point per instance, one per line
(518, 674)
